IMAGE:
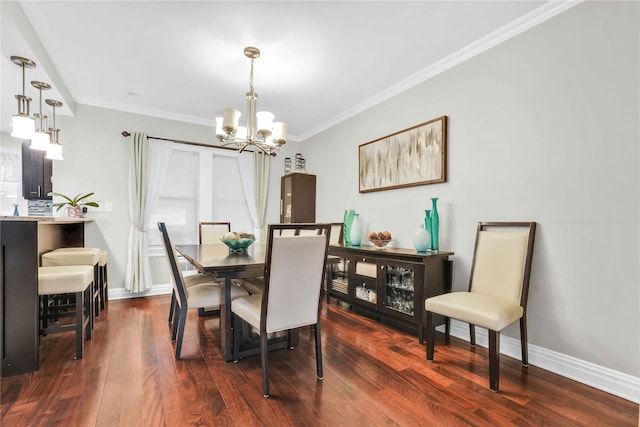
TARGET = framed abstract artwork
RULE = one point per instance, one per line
(413, 156)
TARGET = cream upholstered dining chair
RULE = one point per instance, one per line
(211, 232)
(293, 275)
(336, 266)
(203, 294)
(498, 289)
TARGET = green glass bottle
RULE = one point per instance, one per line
(435, 224)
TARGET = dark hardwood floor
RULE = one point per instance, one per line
(373, 375)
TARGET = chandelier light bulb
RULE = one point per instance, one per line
(22, 126)
(54, 152)
(40, 141)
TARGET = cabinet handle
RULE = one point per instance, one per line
(39, 191)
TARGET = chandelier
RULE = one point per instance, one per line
(26, 127)
(54, 150)
(40, 137)
(260, 130)
(22, 123)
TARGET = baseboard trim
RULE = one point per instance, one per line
(605, 379)
(122, 293)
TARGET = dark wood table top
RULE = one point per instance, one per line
(220, 260)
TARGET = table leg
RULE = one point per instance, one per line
(225, 322)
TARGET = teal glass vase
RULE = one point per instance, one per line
(435, 225)
(427, 224)
(346, 227)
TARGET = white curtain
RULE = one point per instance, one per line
(147, 164)
(261, 164)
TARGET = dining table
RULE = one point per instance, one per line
(226, 265)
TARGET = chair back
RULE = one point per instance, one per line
(502, 260)
(177, 280)
(336, 233)
(293, 276)
(211, 232)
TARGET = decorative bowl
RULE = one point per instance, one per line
(379, 243)
(239, 245)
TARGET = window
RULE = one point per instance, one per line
(200, 184)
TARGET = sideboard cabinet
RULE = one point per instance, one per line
(391, 284)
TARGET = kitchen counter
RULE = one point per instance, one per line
(23, 239)
(47, 219)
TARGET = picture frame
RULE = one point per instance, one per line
(410, 157)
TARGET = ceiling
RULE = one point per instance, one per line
(321, 62)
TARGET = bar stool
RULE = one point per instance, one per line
(76, 280)
(78, 256)
(102, 272)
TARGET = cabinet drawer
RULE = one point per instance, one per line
(367, 269)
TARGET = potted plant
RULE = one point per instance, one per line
(74, 205)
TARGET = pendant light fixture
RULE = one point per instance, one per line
(260, 130)
(54, 150)
(22, 123)
(40, 138)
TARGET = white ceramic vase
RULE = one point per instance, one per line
(421, 239)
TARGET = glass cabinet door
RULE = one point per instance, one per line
(399, 289)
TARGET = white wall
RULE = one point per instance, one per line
(543, 127)
(96, 158)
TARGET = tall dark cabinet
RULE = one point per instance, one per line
(298, 198)
(36, 173)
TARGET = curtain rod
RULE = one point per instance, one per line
(126, 134)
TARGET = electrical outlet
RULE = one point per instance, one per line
(108, 206)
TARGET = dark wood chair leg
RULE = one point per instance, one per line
(96, 290)
(105, 288)
(264, 352)
(494, 359)
(172, 306)
(182, 320)
(237, 326)
(431, 336)
(80, 324)
(176, 321)
(318, 352)
(88, 325)
(472, 334)
(523, 341)
(447, 328)
(103, 284)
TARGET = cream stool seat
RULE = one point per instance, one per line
(69, 279)
(71, 256)
(83, 256)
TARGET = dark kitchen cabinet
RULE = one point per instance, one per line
(36, 173)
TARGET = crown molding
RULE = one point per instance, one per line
(512, 29)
